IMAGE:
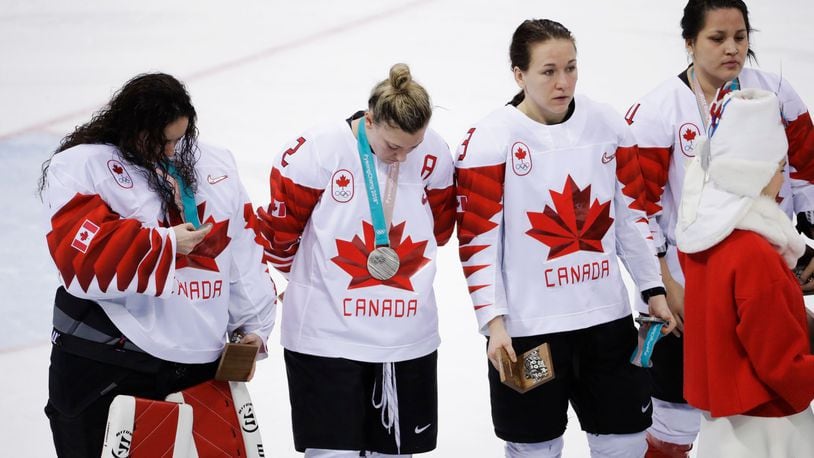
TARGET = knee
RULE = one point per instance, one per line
(547, 449)
(617, 445)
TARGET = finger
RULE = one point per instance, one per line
(510, 351)
(808, 286)
(251, 339)
(668, 327)
(205, 228)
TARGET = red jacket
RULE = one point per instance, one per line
(746, 347)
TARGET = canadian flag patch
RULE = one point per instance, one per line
(277, 209)
(83, 237)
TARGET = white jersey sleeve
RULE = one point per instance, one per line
(480, 169)
(253, 297)
(99, 253)
(297, 183)
(633, 239)
(437, 173)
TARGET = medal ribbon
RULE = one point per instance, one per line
(710, 115)
(187, 197)
(381, 213)
(701, 100)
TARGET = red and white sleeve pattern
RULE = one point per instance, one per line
(101, 255)
(655, 149)
(437, 172)
(800, 134)
(294, 194)
(634, 242)
(480, 171)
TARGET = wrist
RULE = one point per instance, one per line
(653, 292)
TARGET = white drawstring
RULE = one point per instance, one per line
(389, 402)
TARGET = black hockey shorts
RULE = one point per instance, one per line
(593, 371)
(332, 404)
(668, 369)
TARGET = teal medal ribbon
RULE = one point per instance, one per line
(187, 197)
(383, 262)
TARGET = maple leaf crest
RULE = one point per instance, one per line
(204, 254)
(352, 258)
(574, 224)
(83, 235)
(117, 169)
(520, 154)
(342, 181)
(689, 135)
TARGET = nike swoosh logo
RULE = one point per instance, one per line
(422, 429)
(646, 406)
(606, 158)
(214, 180)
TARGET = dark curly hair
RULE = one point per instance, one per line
(134, 121)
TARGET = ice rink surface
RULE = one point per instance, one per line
(261, 72)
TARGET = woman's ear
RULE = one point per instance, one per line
(519, 78)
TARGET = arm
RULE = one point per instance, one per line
(480, 173)
(438, 174)
(633, 239)
(253, 297)
(771, 331)
(99, 254)
(296, 187)
(655, 148)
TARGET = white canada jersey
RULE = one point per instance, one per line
(543, 212)
(668, 127)
(319, 233)
(112, 243)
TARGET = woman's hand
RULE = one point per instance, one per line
(675, 296)
(657, 307)
(252, 339)
(186, 236)
(499, 338)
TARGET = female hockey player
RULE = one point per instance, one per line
(748, 327)
(157, 261)
(668, 124)
(358, 208)
(549, 193)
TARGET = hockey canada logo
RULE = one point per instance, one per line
(120, 174)
(688, 137)
(574, 224)
(352, 258)
(342, 186)
(521, 159)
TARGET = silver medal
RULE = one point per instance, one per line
(383, 263)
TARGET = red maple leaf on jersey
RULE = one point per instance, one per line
(117, 169)
(520, 154)
(352, 258)
(689, 135)
(574, 224)
(204, 254)
(343, 181)
(83, 236)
